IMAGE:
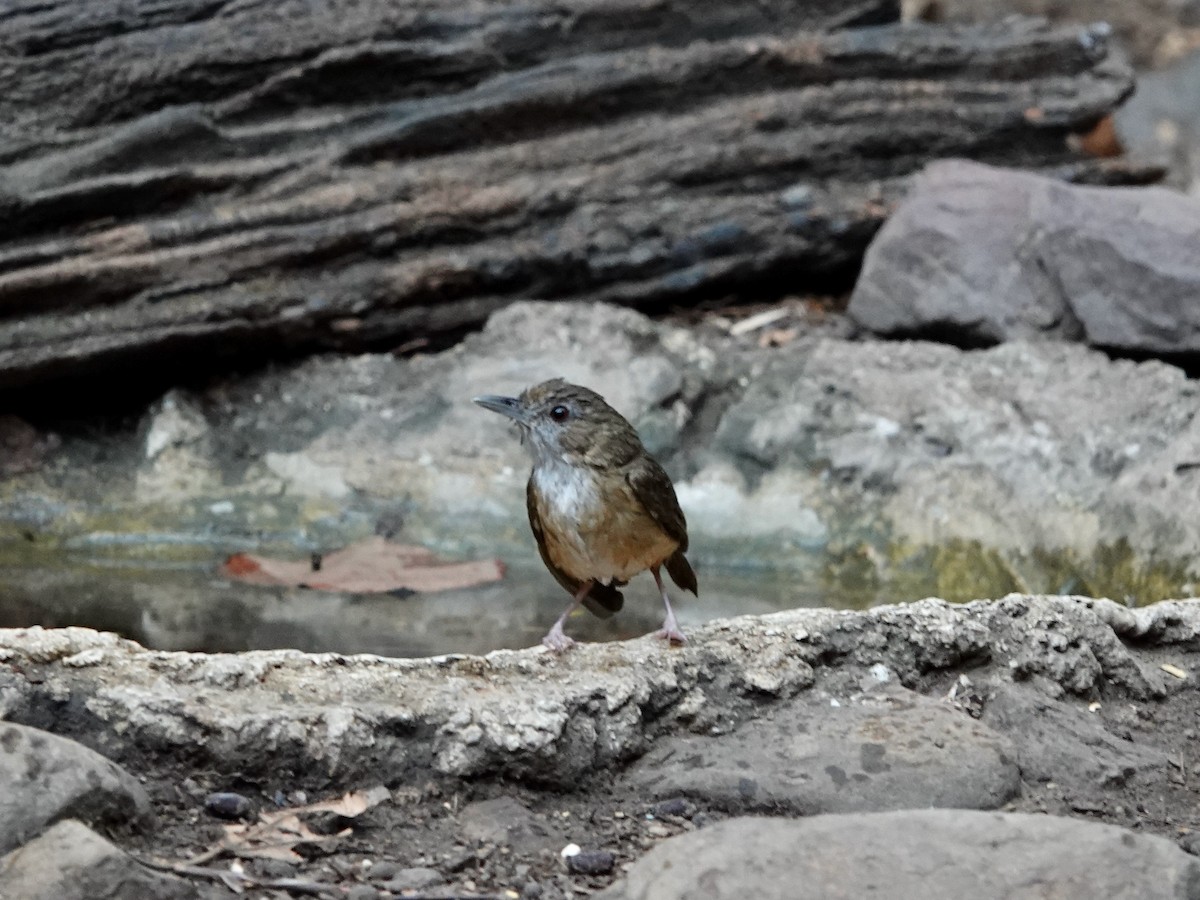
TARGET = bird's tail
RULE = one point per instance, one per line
(681, 572)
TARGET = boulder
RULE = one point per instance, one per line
(45, 778)
(977, 255)
(72, 862)
(888, 750)
(182, 188)
(913, 855)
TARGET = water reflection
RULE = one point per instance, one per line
(191, 609)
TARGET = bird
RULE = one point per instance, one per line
(601, 508)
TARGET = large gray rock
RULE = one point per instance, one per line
(538, 717)
(405, 189)
(886, 751)
(978, 255)
(913, 855)
(1066, 744)
(45, 778)
(72, 862)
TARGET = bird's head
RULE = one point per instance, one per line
(566, 422)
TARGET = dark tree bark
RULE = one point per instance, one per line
(190, 176)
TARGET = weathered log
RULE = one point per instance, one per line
(193, 176)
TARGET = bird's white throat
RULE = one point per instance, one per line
(569, 491)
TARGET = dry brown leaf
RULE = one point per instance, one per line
(277, 833)
(373, 566)
(348, 806)
(275, 838)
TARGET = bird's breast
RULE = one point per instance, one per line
(594, 526)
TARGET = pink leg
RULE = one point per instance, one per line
(670, 631)
(556, 639)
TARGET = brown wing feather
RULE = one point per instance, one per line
(652, 486)
(603, 599)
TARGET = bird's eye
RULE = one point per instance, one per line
(560, 414)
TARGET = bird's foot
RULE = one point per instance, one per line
(671, 634)
(557, 640)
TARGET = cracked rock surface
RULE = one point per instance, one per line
(888, 750)
(930, 854)
(530, 714)
(840, 723)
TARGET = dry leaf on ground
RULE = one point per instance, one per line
(277, 833)
(373, 566)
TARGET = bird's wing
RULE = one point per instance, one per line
(603, 599)
(653, 488)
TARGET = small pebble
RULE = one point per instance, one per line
(227, 805)
(362, 892)
(676, 806)
(798, 196)
(275, 868)
(382, 871)
(413, 879)
(531, 891)
(591, 862)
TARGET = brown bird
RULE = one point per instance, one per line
(601, 508)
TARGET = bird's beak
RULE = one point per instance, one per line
(506, 406)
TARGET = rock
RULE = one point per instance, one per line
(1145, 30)
(383, 870)
(227, 805)
(1065, 743)
(178, 451)
(591, 862)
(413, 878)
(541, 718)
(913, 855)
(71, 862)
(45, 778)
(505, 821)
(181, 240)
(978, 255)
(891, 750)
(674, 806)
(941, 446)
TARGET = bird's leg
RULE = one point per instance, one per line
(670, 630)
(556, 639)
